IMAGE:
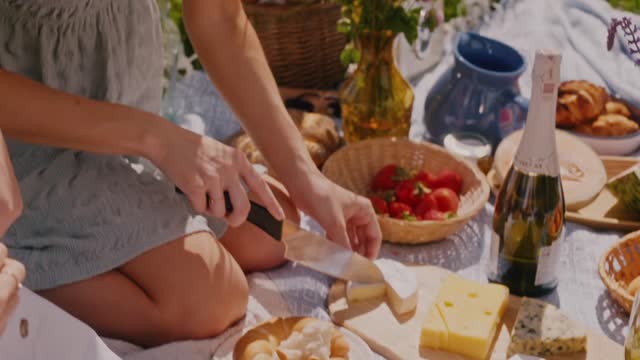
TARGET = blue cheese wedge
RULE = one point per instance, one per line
(541, 329)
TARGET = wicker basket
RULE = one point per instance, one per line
(301, 42)
(619, 266)
(354, 166)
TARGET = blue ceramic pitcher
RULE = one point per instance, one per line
(478, 98)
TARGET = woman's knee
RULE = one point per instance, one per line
(204, 317)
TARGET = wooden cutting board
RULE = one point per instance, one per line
(397, 338)
(604, 212)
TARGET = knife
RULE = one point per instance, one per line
(310, 249)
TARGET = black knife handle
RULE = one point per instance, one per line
(258, 216)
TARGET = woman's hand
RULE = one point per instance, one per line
(201, 166)
(12, 274)
(348, 219)
(10, 199)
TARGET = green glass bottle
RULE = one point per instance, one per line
(529, 212)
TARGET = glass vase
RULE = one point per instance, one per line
(376, 101)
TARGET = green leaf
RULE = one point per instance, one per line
(389, 196)
(349, 55)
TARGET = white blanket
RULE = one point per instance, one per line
(577, 27)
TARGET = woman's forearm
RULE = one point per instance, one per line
(35, 113)
(10, 199)
(230, 51)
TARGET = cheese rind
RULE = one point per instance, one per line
(402, 285)
(470, 312)
(541, 329)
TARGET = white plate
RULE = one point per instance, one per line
(358, 349)
(611, 145)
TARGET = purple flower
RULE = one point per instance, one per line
(630, 32)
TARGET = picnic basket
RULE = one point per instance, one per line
(354, 166)
(300, 41)
(619, 266)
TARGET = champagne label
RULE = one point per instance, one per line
(548, 259)
(547, 164)
(494, 253)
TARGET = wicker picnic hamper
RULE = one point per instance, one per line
(354, 166)
(619, 266)
(300, 41)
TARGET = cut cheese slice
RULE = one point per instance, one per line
(541, 329)
(434, 332)
(400, 287)
(470, 312)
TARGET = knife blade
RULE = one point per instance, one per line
(310, 249)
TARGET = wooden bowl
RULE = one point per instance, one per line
(619, 266)
(262, 341)
(355, 165)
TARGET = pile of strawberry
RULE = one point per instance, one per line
(413, 196)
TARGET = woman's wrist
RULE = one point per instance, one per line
(156, 138)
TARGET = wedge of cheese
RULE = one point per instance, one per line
(541, 329)
(464, 317)
(400, 287)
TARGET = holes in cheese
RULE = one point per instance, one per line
(464, 317)
(400, 287)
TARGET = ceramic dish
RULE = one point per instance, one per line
(615, 145)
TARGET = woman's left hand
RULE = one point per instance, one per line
(348, 219)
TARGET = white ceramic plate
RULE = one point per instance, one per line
(611, 145)
(358, 349)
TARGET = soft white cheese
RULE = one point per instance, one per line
(400, 287)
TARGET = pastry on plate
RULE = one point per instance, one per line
(579, 102)
(609, 125)
(616, 107)
(293, 338)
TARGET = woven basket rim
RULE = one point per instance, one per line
(611, 283)
(468, 214)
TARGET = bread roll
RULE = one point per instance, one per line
(609, 125)
(614, 107)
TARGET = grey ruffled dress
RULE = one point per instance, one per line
(85, 214)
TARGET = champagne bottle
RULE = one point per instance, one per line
(529, 210)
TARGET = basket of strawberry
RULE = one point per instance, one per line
(420, 191)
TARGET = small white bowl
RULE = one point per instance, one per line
(611, 145)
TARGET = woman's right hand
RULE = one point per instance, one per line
(12, 274)
(201, 166)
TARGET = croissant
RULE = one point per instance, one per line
(579, 102)
(609, 125)
(262, 342)
(614, 107)
(318, 131)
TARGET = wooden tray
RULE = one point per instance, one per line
(604, 212)
(398, 338)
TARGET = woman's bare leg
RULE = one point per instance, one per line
(189, 288)
(251, 247)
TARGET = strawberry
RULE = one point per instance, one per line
(410, 192)
(426, 178)
(388, 177)
(448, 179)
(428, 202)
(434, 214)
(402, 211)
(446, 199)
(379, 205)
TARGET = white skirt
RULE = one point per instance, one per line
(40, 330)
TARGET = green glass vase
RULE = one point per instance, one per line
(376, 101)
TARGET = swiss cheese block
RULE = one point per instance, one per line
(470, 312)
(541, 329)
(400, 287)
